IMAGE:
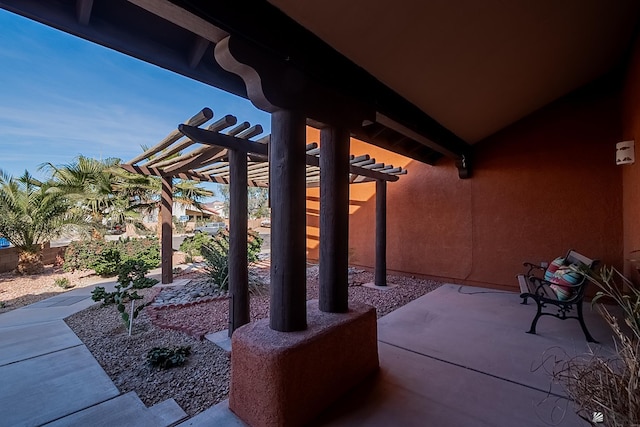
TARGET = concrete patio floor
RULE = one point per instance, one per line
(458, 356)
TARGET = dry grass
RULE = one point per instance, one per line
(609, 385)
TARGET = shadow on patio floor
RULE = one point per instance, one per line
(459, 356)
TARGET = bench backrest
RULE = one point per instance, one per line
(574, 257)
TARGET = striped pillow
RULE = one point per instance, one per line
(563, 278)
(562, 293)
(553, 267)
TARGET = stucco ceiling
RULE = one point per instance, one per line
(475, 66)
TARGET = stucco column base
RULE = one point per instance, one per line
(288, 378)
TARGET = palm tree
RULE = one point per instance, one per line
(107, 192)
(190, 193)
(102, 189)
(30, 215)
(86, 181)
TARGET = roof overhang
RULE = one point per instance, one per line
(422, 79)
(298, 70)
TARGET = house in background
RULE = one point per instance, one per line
(216, 208)
(188, 213)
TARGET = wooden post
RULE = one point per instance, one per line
(166, 208)
(238, 269)
(288, 309)
(381, 233)
(334, 220)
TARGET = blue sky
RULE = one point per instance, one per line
(61, 96)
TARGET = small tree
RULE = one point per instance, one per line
(131, 277)
(257, 201)
(30, 215)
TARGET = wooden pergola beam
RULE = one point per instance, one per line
(214, 138)
(216, 126)
(202, 117)
(143, 170)
(357, 170)
(186, 143)
(193, 162)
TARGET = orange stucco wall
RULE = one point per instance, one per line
(631, 173)
(540, 187)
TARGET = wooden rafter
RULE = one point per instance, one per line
(202, 154)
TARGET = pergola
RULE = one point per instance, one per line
(224, 152)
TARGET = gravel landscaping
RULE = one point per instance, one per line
(17, 291)
(204, 380)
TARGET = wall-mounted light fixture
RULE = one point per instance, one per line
(625, 153)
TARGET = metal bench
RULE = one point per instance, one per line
(535, 287)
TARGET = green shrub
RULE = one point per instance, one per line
(165, 358)
(254, 244)
(105, 257)
(192, 245)
(216, 256)
(63, 282)
(131, 276)
(144, 250)
(108, 262)
(82, 254)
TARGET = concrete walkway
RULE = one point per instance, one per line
(50, 378)
(458, 356)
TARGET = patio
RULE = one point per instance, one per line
(472, 365)
(521, 103)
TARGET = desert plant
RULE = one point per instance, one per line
(165, 358)
(609, 385)
(192, 245)
(131, 276)
(63, 282)
(216, 255)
